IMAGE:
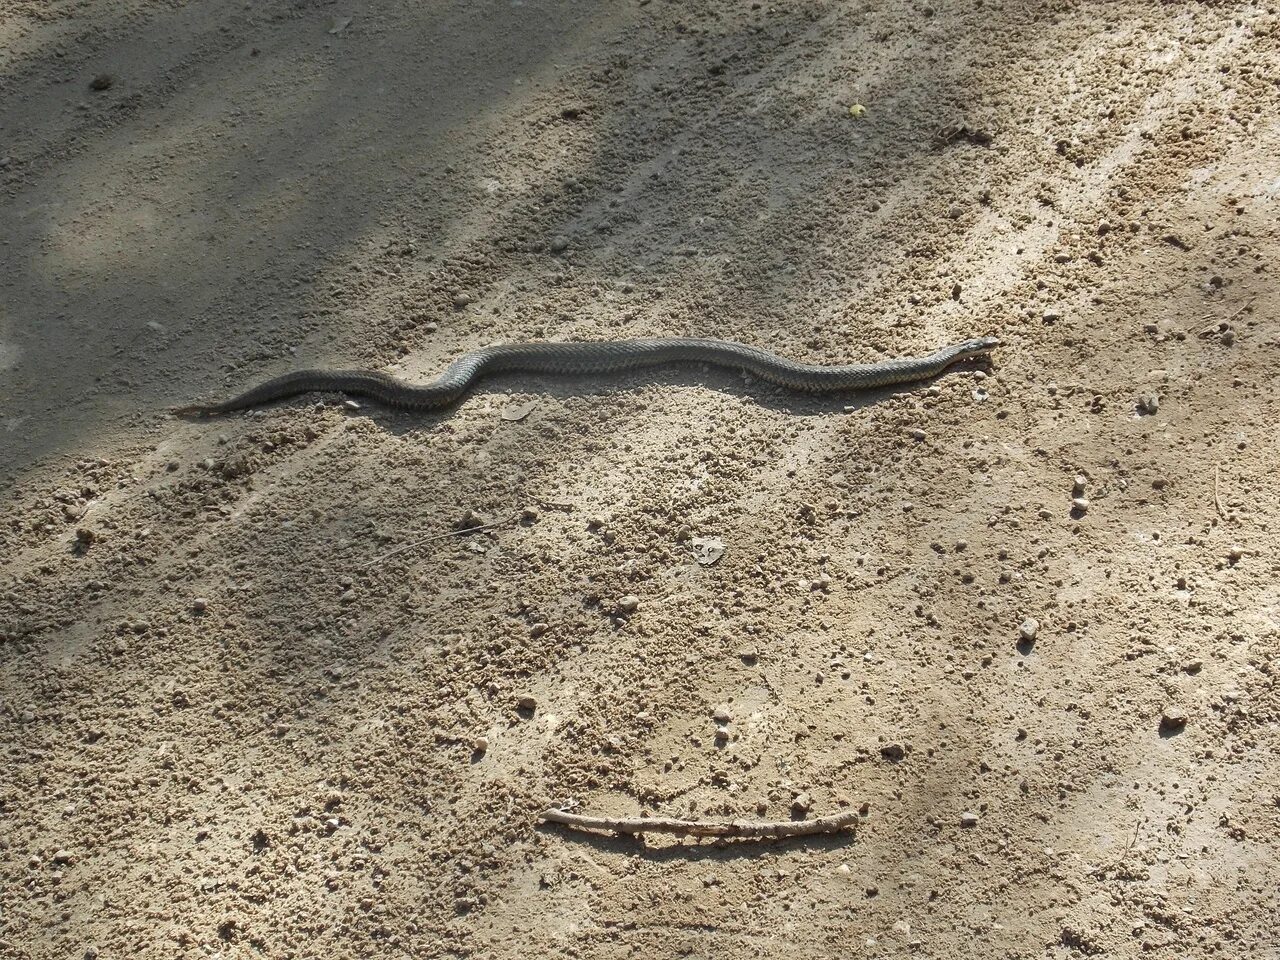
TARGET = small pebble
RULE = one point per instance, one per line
(461, 300)
(802, 804)
(527, 703)
(629, 604)
(1028, 629)
(916, 433)
(1235, 554)
(102, 81)
(200, 604)
(350, 405)
(480, 744)
(1078, 485)
(1172, 719)
(1080, 503)
(721, 715)
(893, 751)
(559, 244)
(1148, 404)
(722, 734)
(1228, 337)
(1195, 665)
(968, 819)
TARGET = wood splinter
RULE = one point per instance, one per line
(701, 828)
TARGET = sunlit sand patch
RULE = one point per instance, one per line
(10, 354)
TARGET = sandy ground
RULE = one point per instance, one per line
(239, 719)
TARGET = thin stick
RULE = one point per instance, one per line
(701, 828)
(1242, 309)
(1134, 839)
(437, 536)
(1217, 471)
(1209, 316)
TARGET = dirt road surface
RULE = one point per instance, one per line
(260, 697)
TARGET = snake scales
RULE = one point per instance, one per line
(595, 358)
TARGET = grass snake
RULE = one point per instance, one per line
(583, 359)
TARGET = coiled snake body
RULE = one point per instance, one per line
(595, 358)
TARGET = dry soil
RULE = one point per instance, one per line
(246, 663)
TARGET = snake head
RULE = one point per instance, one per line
(979, 345)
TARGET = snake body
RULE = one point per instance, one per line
(595, 358)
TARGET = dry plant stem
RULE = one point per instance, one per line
(1217, 500)
(1214, 326)
(698, 828)
(438, 536)
(1242, 309)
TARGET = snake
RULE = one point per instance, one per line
(594, 358)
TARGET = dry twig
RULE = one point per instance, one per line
(1217, 499)
(700, 828)
(1218, 324)
(437, 536)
